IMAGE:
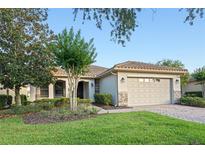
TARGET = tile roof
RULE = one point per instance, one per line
(97, 71)
(147, 66)
(144, 67)
(93, 71)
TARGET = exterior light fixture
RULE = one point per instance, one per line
(177, 81)
(122, 79)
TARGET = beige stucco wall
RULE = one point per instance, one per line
(123, 91)
(108, 84)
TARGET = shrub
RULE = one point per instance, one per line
(46, 105)
(52, 100)
(103, 99)
(21, 109)
(194, 94)
(27, 103)
(5, 99)
(24, 100)
(192, 101)
(84, 101)
(57, 102)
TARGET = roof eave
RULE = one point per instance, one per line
(152, 71)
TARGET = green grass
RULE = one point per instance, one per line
(120, 128)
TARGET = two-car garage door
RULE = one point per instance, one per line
(148, 91)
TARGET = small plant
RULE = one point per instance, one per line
(103, 99)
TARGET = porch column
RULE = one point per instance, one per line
(66, 89)
(51, 91)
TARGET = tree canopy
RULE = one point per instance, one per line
(176, 64)
(75, 55)
(199, 74)
(124, 21)
(25, 58)
(171, 63)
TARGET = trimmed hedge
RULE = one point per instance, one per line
(194, 94)
(84, 101)
(40, 105)
(61, 101)
(58, 102)
(103, 99)
(192, 101)
(5, 99)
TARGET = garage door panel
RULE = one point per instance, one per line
(143, 91)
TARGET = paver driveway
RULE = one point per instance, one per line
(178, 111)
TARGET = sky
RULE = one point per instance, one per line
(160, 35)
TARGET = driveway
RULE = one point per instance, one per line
(178, 111)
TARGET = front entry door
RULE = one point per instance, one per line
(80, 90)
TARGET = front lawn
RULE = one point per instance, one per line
(120, 128)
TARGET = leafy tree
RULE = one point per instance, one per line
(171, 63)
(199, 75)
(176, 64)
(193, 14)
(74, 55)
(25, 58)
(123, 21)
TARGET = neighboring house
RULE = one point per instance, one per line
(192, 86)
(130, 83)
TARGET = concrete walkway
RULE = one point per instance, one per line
(177, 111)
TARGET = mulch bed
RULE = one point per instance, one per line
(110, 107)
(7, 116)
(38, 118)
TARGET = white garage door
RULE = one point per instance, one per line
(148, 91)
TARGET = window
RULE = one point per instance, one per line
(59, 88)
(141, 80)
(44, 91)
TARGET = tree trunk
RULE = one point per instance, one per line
(75, 94)
(73, 85)
(17, 96)
(7, 92)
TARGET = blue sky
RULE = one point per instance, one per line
(162, 35)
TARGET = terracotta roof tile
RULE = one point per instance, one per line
(93, 71)
(147, 66)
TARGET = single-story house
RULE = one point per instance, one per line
(192, 86)
(131, 84)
